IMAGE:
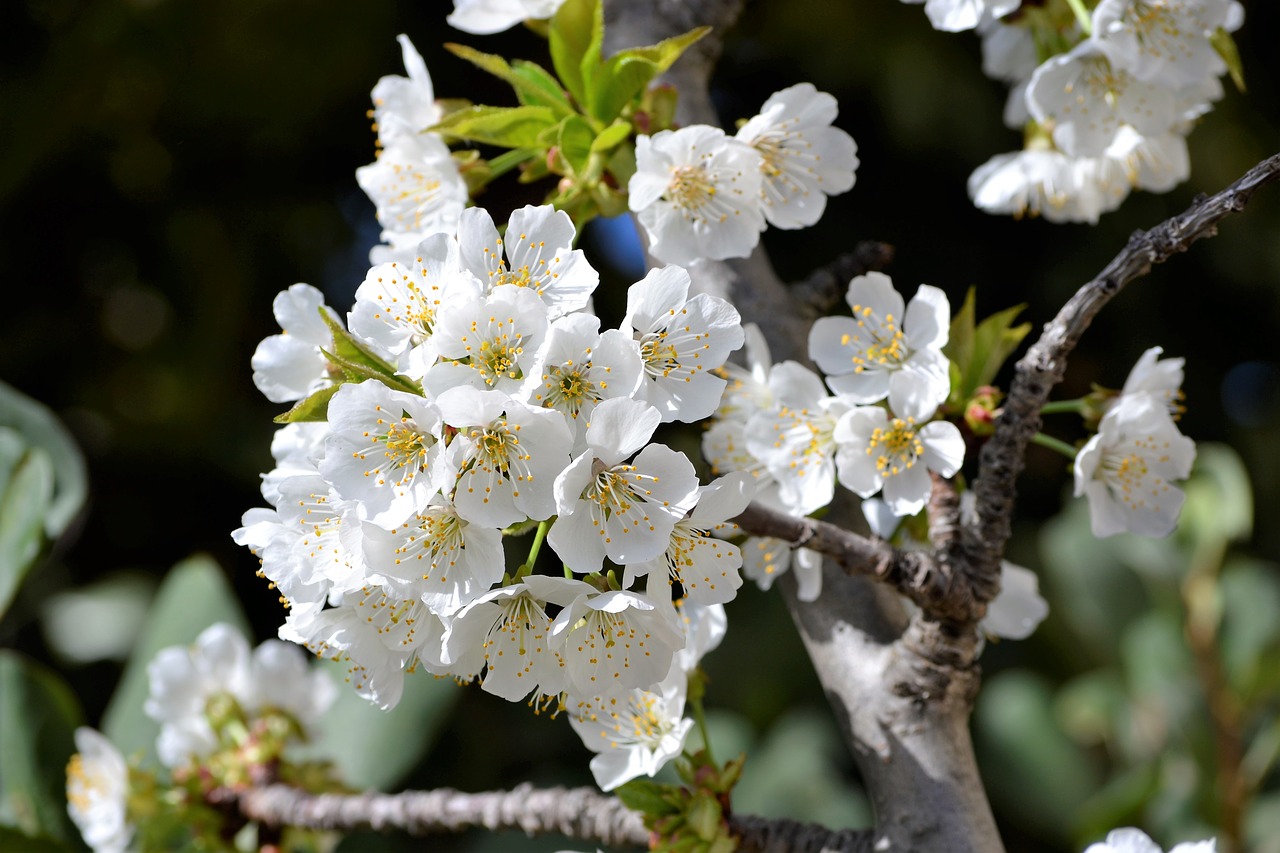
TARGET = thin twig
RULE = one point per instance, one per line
(825, 287)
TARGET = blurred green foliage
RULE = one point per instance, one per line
(169, 167)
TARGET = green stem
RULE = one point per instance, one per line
(508, 160)
(1052, 443)
(527, 568)
(1060, 406)
(1082, 16)
(701, 720)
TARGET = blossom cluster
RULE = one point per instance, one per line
(495, 405)
(1105, 94)
(871, 425)
(216, 697)
(700, 193)
(1127, 469)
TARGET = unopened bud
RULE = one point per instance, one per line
(983, 408)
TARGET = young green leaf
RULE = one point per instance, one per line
(506, 127)
(534, 87)
(310, 409)
(574, 141)
(349, 348)
(645, 796)
(575, 33)
(978, 351)
(626, 74)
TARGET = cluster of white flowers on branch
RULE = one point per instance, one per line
(1104, 93)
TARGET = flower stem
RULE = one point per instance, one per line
(1062, 406)
(1052, 443)
(1082, 16)
(527, 569)
(701, 719)
(508, 160)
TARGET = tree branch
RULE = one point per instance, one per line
(825, 287)
(1045, 363)
(583, 814)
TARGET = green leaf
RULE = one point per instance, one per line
(626, 74)
(389, 743)
(574, 141)
(1219, 505)
(355, 371)
(350, 349)
(611, 136)
(1226, 47)
(12, 841)
(38, 717)
(309, 409)
(506, 127)
(193, 596)
(41, 429)
(645, 796)
(575, 35)
(1020, 746)
(534, 87)
(25, 499)
(980, 351)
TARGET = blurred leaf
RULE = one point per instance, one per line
(1219, 505)
(12, 841)
(99, 621)
(1226, 47)
(1120, 802)
(25, 504)
(1021, 746)
(1156, 659)
(611, 136)
(1262, 753)
(791, 773)
(575, 139)
(1262, 823)
(1087, 706)
(574, 36)
(1092, 590)
(506, 127)
(193, 596)
(644, 795)
(1249, 632)
(389, 743)
(41, 429)
(38, 718)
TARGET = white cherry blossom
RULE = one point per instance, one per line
(696, 191)
(324, 539)
(1126, 470)
(1130, 840)
(98, 793)
(882, 351)
(487, 343)
(955, 16)
(405, 106)
(1018, 609)
(697, 557)
(765, 559)
(1086, 100)
(382, 450)
(282, 679)
(539, 254)
(609, 507)
(880, 450)
(577, 366)
(682, 341)
(803, 158)
(1161, 41)
(397, 305)
(502, 638)
(635, 734)
(794, 440)
(1158, 378)
(416, 187)
(436, 556)
(484, 17)
(291, 366)
(507, 455)
(611, 642)
(704, 628)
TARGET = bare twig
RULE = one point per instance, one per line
(583, 814)
(825, 287)
(1046, 362)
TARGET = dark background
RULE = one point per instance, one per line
(168, 167)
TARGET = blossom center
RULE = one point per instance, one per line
(896, 447)
(886, 344)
